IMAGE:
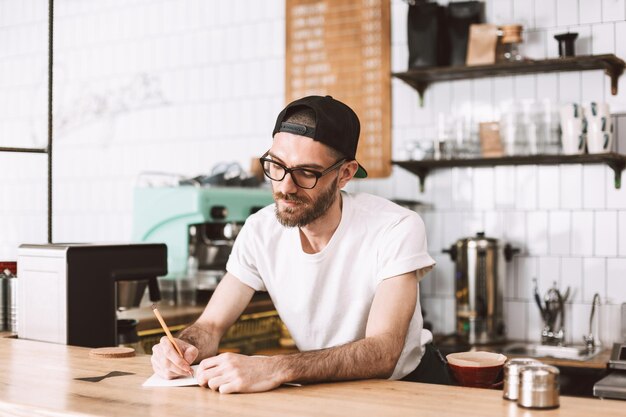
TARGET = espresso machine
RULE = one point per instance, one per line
(198, 223)
(70, 293)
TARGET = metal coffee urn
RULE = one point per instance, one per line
(479, 287)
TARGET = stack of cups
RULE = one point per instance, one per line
(573, 128)
(531, 383)
(599, 128)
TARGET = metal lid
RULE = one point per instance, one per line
(539, 375)
(479, 241)
(513, 366)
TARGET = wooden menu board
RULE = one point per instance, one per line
(341, 48)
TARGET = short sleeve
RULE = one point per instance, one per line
(403, 249)
(243, 259)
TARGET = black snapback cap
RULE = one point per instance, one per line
(336, 125)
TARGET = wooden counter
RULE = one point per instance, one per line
(39, 379)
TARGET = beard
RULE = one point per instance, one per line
(306, 211)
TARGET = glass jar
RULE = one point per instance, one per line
(511, 40)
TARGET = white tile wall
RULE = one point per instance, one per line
(208, 106)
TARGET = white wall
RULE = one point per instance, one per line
(179, 86)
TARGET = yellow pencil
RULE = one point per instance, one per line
(166, 330)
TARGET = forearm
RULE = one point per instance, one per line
(203, 337)
(372, 357)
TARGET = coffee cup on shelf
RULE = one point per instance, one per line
(573, 128)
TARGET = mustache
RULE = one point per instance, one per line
(289, 197)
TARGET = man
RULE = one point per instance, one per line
(341, 269)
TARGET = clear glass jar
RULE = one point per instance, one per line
(511, 39)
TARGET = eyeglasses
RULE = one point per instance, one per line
(302, 177)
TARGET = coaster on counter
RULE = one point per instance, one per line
(112, 352)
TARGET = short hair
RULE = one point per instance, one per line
(306, 116)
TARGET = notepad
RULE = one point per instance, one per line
(157, 381)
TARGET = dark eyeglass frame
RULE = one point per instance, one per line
(286, 170)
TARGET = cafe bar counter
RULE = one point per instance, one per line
(43, 379)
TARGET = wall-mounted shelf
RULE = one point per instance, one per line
(421, 78)
(617, 162)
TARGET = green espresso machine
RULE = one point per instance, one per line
(198, 224)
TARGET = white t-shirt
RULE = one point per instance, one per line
(324, 299)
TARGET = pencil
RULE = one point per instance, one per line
(166, 330)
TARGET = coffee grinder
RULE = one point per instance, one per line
(70, 293)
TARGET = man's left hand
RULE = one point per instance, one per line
(232, 372)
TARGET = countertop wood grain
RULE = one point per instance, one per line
(40, 379)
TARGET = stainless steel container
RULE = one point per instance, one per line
(511, 376)
(479, 287)
(538, 386)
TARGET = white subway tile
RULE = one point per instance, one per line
(549, 272)
(525, 87)
(584, 42)
(515, 319)
(613, 10)
(552, 46)
(502, 12)
(449, 319)
(548, 189)
(434, 231)
(615, 197)
(534, 324)
(502, 89)
(504, 178)
(433, 311)
(461, 95)
(620, 33)
(537, 232)
(559, 233)
(606, 233)
(524, 13)
(572, 277)
(594, 278)
(566, 12)
(527, 271)
(442, 183)
(579, 322)
(483, 194)
(621, 234)
(571, 186)
(590, 11)
(510, 279)
(582, 233)
(452, 226)
(444, 276)
(569, 87)
(515, 231)
(534, 46)
(526, 187)
(616, 280)
(462, 187)
(545, 13)
(548, 87)
(594, 186)
(603, 39)
(494, 224)
(593, 86)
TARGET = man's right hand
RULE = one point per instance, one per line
(166, 361)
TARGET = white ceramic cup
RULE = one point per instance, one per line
(599, 142)
(573, 136)
(595, 109)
